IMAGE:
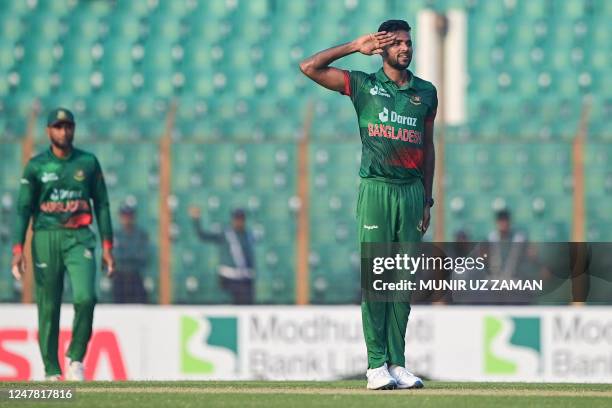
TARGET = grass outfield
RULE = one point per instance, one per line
(168, 394)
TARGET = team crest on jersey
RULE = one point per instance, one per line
(415, 99)
(379, 90)
(79, 175)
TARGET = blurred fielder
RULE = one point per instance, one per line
(396, 111)
(57, 190)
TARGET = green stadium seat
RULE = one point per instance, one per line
(44, 26)
(4, 87)
(76, 82)
(77, 54)
(11, 166)
(159, 54)
(115, 80)
(199, 54)
(158, 82)
(198, 83)
(175, 9)
(217, 8)
(37, 54)
(11, 26)
(126, 28)
(102, 106)
(16, 8)
(20, 106)
(572, 8)
(34, 80)
(207, 29)
(55, 8)
(294, 9)
(167, 28)
(7, 54)
(136, 9)
(12, 129)
(255, 11)
(118, 52)
(83, 26)
(289, 29)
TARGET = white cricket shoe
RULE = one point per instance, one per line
(380, 379)
(75, 371)
(404, 378)
(53, 378)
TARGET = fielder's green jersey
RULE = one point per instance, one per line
(59, 193)
(391, 123)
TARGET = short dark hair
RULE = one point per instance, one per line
(127, 209)
(394, 25)
(503, 215)
(238, 213)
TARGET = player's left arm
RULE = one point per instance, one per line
(25, 209)
(429, 157)
(103, 217)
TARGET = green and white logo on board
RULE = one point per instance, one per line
(512, 345)
(209, 345)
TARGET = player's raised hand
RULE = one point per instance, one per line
(194, 212)
(108, 261)
(18, 265)
(374, 43)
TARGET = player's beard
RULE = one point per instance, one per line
(394, 62)
(65, 144)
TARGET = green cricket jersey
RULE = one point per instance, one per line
(391, 123)
(59, 193)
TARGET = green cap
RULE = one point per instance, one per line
(59, 115)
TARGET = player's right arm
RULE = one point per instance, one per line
(194, 214)
(25, 209)
(316, 67)
(102, 210)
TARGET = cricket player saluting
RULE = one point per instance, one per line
(58, 189)
(396, 111)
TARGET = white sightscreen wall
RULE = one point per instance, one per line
(427, 47)
(455, 54)
(455, 69)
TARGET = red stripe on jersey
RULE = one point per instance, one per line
(78, 221)
(347, 83)
(408, 158)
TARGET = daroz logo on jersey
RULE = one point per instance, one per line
(379, 90)
(61, 194)
(397, 118)
(392, 132)
(384, 115)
